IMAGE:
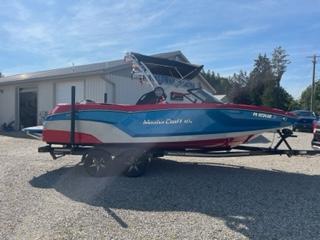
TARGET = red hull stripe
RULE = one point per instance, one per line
(58, 136)
(136, 108)
(63, 137)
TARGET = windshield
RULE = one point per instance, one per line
(199, 94)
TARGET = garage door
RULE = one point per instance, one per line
(63, 91)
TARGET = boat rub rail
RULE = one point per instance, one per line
(62, 108)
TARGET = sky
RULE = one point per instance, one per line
(224, 36)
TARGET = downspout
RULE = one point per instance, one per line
(104, 77)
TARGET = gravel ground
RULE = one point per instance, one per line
(179, 198)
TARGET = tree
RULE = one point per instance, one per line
(278, 97)
(294, 105)
(240, 79)
(305, 98)
(261, 86)
(1, 75)
(238, 92)
(279, 63)
(260, 77)
(220, 84)
(262, 68)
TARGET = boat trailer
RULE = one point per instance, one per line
(133, 161)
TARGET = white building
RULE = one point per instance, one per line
(26, 99)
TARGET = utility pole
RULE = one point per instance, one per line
(314, 62)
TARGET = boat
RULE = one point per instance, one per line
(196, 125)
(199, 121)
(191, 118)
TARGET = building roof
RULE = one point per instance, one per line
(83, 70)
(57, 73)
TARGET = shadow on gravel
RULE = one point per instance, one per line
(259, 139)
(257, 203)
(15, 134)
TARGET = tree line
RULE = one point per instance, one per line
(262, 86)
(305, 99)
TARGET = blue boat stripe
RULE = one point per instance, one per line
(175, 122)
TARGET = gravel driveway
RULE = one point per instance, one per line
(179, 198)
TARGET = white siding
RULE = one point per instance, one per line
(127, 91)
(45, 99)
(95, 88)
(7, 104)
(63, 91)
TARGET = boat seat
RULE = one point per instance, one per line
(154, 97)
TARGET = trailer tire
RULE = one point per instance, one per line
(96, 162)
(138, 167)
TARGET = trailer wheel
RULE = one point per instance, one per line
(137, 166)
(97, 162)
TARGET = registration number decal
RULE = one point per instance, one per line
(262, 115)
